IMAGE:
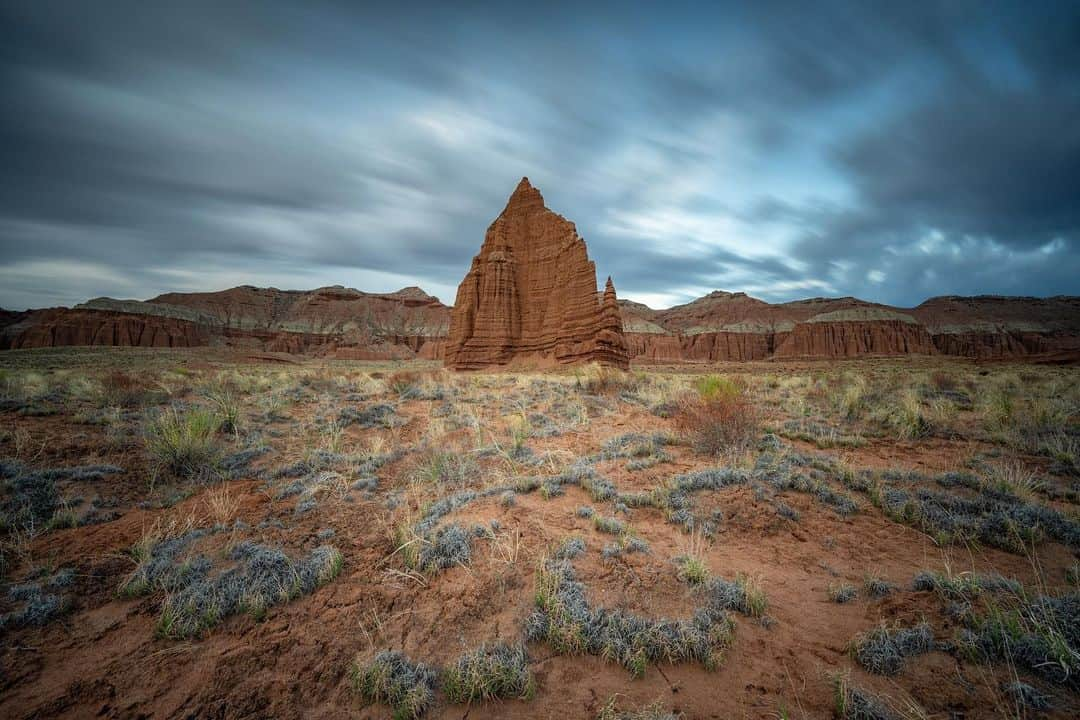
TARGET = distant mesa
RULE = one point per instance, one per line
(531, 296)
(350, 324)
(328, 322)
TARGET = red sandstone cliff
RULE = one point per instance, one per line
(332, 321)
(992, 326)
(531, 294)
(59, 326)
(718, 327)
(734, 327)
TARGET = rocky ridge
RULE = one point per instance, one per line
(733, 326)
(331, 321)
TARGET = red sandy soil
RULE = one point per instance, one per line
(102, 659)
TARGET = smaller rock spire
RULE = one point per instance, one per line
(609, 307)
(610, 341)
(609, 291)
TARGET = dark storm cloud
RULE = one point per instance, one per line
(973, 189)
(891, 152)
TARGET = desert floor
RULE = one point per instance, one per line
(203, 534)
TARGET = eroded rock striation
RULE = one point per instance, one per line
(723, 326)
(330, 321)
(530, 295)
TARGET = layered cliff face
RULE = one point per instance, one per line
(841, 335)
(530, 295)
(333, 321)
(734, 327)
(60, 326)
(996, 327)
(339, 322)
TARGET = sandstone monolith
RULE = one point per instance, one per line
(531, 295)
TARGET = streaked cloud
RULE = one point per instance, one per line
(888, 152)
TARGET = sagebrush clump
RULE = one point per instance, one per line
(882, 651)
(392, 679)
(565, 620)
(490, 672)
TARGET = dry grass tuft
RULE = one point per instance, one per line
(720, 419)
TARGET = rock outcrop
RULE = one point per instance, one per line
(725, 326)
(332, 321)
(57, 327)
(996, 327)
(530, 295)
(844, 339)
(344, 323)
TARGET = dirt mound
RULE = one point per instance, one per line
(531, 294)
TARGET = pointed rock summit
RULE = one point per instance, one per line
(531, 295)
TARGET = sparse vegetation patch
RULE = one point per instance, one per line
(489, 673)
(185, 443)
(882, 651)
(392, 679)
(565, 620)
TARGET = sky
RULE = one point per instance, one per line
(890, 151)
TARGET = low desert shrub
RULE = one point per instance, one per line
(993, 517)
(38, 603)
(624, 546)
(744, 595)
(262, 578)
(488, 673)
(786, 511)
(570, 625)
(877, 587)
(610, 525)
(842, 593)
(964, 586)
(718, 422)
(882, 651)
(656, 711)
(854, 703)
(1026, 696)
(408, 688)
(375, 415)
(185, 442)
(597, 379)
(1041, 634)
(570, 548)
(450, 546)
